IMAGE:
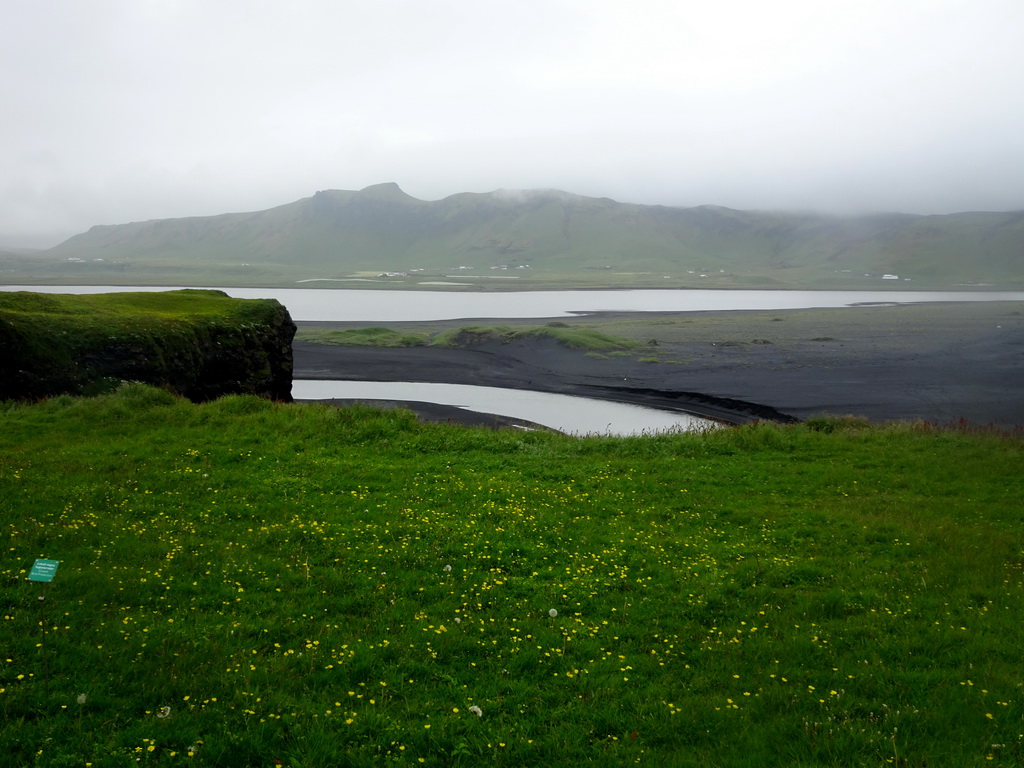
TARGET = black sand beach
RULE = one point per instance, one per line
(938, 363)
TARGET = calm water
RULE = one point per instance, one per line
(572, 415)
(397, 305)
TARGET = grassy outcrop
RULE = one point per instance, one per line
(374, 336)
(201, 344)
(586, 339)
(251, 583)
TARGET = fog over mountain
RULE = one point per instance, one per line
(132, 110)
(381, 229)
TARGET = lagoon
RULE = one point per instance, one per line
(569, 414)
(401, 305)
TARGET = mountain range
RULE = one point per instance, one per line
(542, 236)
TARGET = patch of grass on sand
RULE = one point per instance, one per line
(897, 328)
(582, 338)
(363, 337)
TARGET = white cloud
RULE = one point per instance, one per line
(129, 109)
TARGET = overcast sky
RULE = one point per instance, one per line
(126, 110)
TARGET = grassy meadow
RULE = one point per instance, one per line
(251, 583)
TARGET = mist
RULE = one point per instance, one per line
(127, 111)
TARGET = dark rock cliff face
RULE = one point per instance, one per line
(198, 344)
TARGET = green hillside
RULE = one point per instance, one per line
(535, 239)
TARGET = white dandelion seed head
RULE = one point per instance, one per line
(447, 569)
(552, 613)
(164, 712)
(476, 711)
(458, 620)
(82, 698)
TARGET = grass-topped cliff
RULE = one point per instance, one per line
(250, 583)
(199, 343)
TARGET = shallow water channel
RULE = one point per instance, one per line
(566, 413)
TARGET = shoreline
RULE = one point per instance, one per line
(539, 366)
(937, 363)
(940, 363)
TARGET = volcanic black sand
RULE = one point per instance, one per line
(939, 363)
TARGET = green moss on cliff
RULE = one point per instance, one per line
(198, 343)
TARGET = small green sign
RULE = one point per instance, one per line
(43, 570)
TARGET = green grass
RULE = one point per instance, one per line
(362, 337)
(243, 582)
(582, 338)
(104, 310)
(587, 339)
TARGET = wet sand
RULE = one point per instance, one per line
(939, 363)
